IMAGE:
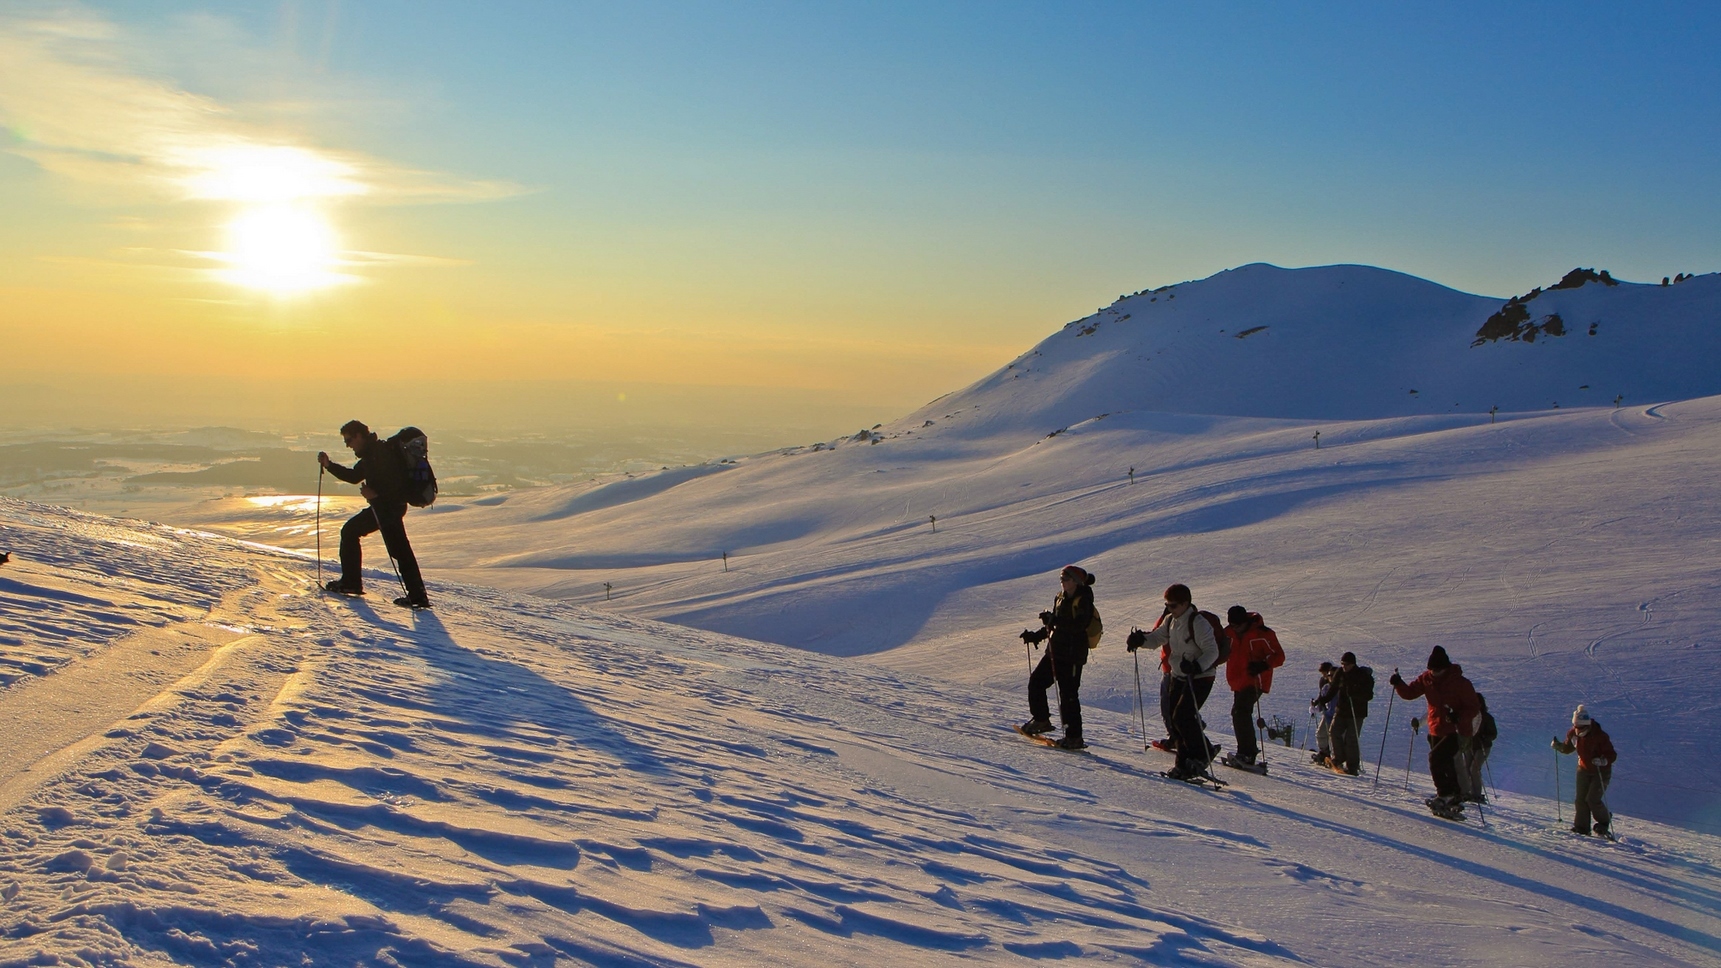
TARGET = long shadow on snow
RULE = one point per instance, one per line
(1570, 896)
(489, 694)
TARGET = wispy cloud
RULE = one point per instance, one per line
(74, 104)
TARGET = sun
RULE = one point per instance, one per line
(282, 248)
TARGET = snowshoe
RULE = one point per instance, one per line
(1446, 808)
(1320, 757)
(1239, 763)
(1605, 834)
(338, 587)
(1071, 742)
(1340, 770)
(1035, 727)
(406, 601)
(1164, 745)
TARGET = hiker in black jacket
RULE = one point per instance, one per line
(1066, 624)
(383, 470)
(1355, 687)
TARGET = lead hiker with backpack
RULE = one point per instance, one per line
(1255, 653)
(391, 480)
(1072, 625)
(1189, 639)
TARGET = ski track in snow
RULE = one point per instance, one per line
(515, 781)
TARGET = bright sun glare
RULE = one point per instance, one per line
(281, 241)
(282, 248)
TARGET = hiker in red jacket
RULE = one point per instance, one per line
(1452, 717)
(1595, 771)
(1255, 653)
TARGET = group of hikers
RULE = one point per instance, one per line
(1193, 645)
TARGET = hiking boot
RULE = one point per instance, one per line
(1035, 727)
(1164, 745)
(1319, 757)
(1072, 741)
(1581, 831)
(339, 587)
(1601, 831)
(1246, 759)
(407, 601)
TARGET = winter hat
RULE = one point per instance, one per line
(1076, 572)
(1179, 593)
(1326, 667)
(1437, 659)
(1581, 716)
(1349, 658)
(1236, 615)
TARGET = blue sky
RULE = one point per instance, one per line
(926, 187)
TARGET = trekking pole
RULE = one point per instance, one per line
(392, 563)
(1380, 757)
(1261, 732)
(1140, 707)
(320, 473)
(1410, 751)
(1559, 813)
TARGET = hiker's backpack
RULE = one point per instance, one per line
(1219, 636)
(1096, 628)
(414, 448)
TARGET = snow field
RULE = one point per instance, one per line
(509, 780)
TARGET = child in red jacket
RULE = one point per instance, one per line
(1595, 771)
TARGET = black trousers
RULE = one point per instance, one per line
(1068, 676)
(1347, 743)
(1243, 720)
(390, 519)
(1186, 732)
(1443, 764)
(1168, 706)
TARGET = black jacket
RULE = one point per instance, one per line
(1070, 617)
(380, 465)
(1355, 689)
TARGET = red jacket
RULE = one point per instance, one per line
(1594, 749)
(1452, 705)
(1252, 641)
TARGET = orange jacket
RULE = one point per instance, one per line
(1252, 641)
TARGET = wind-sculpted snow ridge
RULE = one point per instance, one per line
(515, 781)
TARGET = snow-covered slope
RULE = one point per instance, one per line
(1354, 342)
(225, 769)
(1562, 555)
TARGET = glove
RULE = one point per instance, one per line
(1048, 618)
(1137, 639)
(1396, 679)
(1190, 667)
(1555, 742)
(1257, 667)
(1599, 762)
(1033, 636)
(1314, 703)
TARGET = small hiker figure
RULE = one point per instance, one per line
(1324, 703)
(382, 469)
(1190, 656)
(1470, 777)
(1452, 718)
(1255, 653)
(1066, 625)
(1595, 771)
(1350, 707)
